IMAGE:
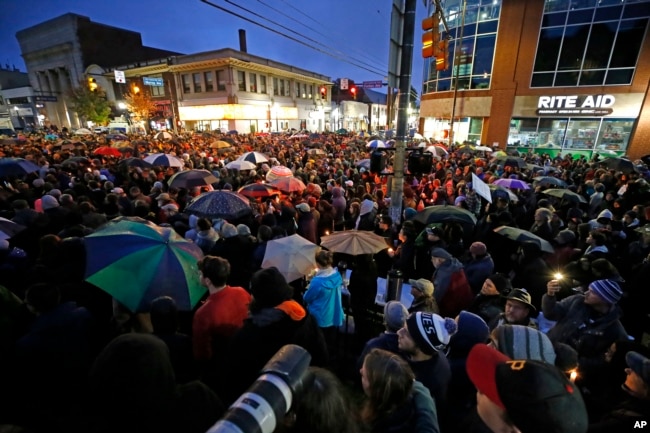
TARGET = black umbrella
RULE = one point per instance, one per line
(444, 213)
(551, 181)
(135, 162)
(565, 194)
(192, 178)
(618, 164)
(220, 204)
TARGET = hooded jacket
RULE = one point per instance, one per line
(323, 298)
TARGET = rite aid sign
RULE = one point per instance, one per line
(583, 105)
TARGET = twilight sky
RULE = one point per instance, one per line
(354, 32)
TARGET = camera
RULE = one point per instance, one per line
(270, 398)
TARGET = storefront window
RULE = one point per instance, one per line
(614, 134)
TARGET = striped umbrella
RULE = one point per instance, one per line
(164, 160)
(277, 172)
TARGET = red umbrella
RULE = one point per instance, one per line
(255, 190)
(289, 184)
(107, 151)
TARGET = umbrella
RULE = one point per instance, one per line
(288, 184)
(466, 149)
(135, 162)
(550, 180)
(417, 136)
(444, 213)
(294, 256)
(220, 144)
(220, 204)
(254, 157)
(436, 150)
(512, 183)
(9, 228)
(618, 164)
(17, 167)
(314, 136)
(500, 154)
(83, 131)
(565, 194)
(512, 161)
(232, 132)
(354, 242)
(376, 144)
(192, 178)
(499, 191)
(116, 137)
(520, 235)
(240, 164)
(107, 151)
(342, 131)
(51, 137)
(316, 152)
(255, 190)
(278, 171)
(121, 145)
(163, 136)
(136, 263)
(163, 159)
(365, 163)
(483, 149)
(300, 136)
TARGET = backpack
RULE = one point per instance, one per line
(459, 296)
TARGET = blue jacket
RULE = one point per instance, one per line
(323, 298)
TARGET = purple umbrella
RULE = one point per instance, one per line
(512, 183)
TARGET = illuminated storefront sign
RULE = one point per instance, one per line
(236, 112)
(574, 105)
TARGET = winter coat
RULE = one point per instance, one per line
(487, 306)
(623, 417)
(579, 327)
(340, 204)
(417, 415)
(477, 270)
(451, 288)
(323, 298)
(435, 375)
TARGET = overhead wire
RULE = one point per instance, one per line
(302, 23)
(295, 39)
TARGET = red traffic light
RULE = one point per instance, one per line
(323, 92)
(353, 92)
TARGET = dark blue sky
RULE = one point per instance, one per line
(356, 31)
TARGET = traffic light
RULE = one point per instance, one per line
(92, 84)
(323, 92)
(353, 92)
(431, 35)
(442, 55)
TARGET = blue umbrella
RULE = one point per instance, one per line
(51, 137)
(220, 204)
(377, 144)
(17, 167)
(233, 132)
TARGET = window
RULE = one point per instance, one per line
(283, 89)
(276, 86)
(221, 80)
(304, 91)
(196, 78)
(186, 83)
(207, 76)
(252, 84)
(297, 87)
(263, 84)
(311, 91)
(241, 81)
(157, 90)
(589, 42)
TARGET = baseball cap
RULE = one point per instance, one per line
(537, 396)
(423, 285)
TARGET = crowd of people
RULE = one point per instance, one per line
(542, 333)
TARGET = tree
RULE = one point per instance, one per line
(90, 105)
(140, 104)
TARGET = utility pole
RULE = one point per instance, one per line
(457, 52)
(406, 66)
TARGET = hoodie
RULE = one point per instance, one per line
(339, 203)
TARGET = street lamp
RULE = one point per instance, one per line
(121, 106)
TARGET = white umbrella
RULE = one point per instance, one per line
(294, 256)
(377, 144)
(254, 157)
(164, 160)
(483, 149)
(436, 150)
(240, 164)
(83, 131)
(164, 135)
(418, 136)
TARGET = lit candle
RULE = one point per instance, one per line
(327, 232)
(390, 250)
(573, 375)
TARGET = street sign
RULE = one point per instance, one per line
(152, 81)
(372, 84)
(344, 84)
(40, 98)
(119, 77)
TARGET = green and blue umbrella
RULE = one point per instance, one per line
(136, 262)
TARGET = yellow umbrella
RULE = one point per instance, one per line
(220, 144)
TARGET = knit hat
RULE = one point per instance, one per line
(303, 207)
(228, 230)
(522, 296)
(537, 396)
(441, 253)
(430, 331)
(409, 213)
(423, 285)
(565, 237)
(523, 342)
(478, 248)
(639, 364)
(366, 207)
(243, 230)
(49, 202)
(55, 192)
(158, 185)
(37, 183)
(164, 196)
(608, 290)
(472, 330)
(501, 282)
(269, 288)
(395, 315)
